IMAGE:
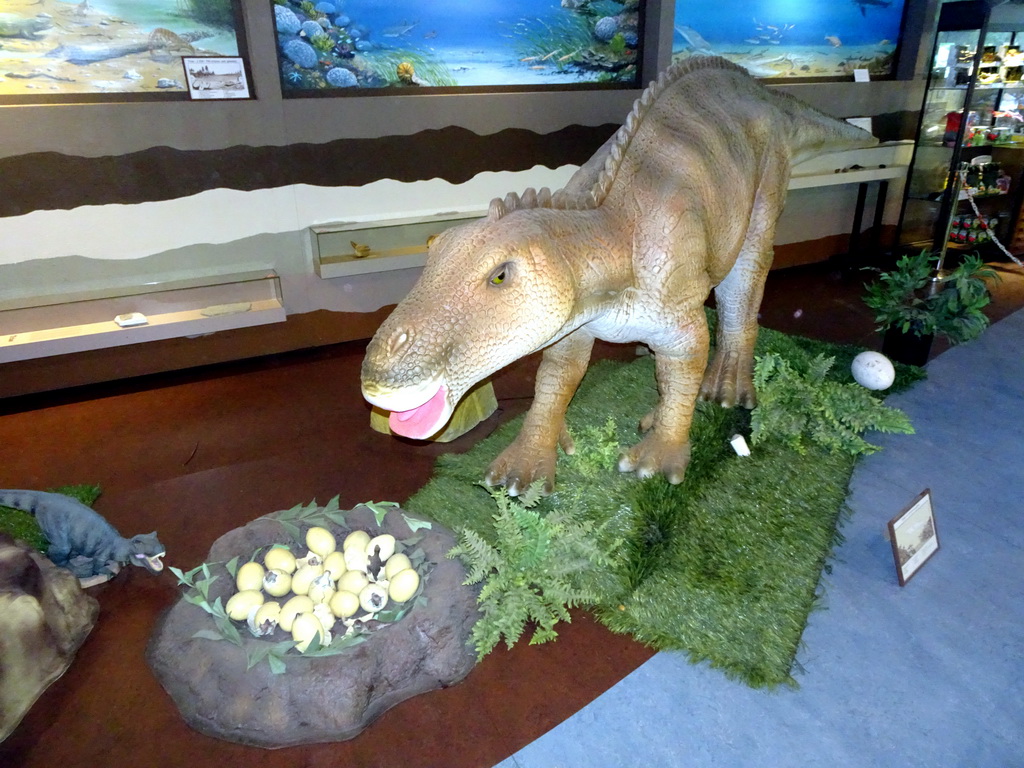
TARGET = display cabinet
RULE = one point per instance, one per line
(967, 173)
(41, 326)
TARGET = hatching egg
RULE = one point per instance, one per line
(383, 546)
(277, 583)
(373, 598)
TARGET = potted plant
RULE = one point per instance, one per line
(918, 300)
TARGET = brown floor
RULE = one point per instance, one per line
(195, 454)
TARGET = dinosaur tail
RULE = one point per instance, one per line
(26, 501)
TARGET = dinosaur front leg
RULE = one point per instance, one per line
(533, 453)
(665, 448)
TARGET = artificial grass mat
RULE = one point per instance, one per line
(725, 566)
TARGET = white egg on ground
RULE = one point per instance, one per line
(873, 370)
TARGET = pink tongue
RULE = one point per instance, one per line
(419, 423)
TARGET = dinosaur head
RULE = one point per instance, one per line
(146, 551)
(492, 291)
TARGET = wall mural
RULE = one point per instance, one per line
(334, 47)
(109, 50)
(786, 39)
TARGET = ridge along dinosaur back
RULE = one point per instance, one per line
(81, 540)
(683, 199)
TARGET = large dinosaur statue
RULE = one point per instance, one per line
(682, 199)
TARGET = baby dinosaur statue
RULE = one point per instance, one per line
(683, 199)
(81, 540)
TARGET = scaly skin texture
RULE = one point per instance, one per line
(682, 200)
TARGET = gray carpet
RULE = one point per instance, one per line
(929, 674)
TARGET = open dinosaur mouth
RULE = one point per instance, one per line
(423, 421)
(152, 562)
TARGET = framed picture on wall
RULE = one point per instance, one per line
(780, 39)
(65, 51)
(366, 47)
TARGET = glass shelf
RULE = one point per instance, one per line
(352, 248)
(43, 326)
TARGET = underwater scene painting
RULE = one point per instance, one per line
(334, 46)
(59, 50)
(787, 39)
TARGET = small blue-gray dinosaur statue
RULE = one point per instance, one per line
(80, 539)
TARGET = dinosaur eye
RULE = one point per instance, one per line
(500, 274)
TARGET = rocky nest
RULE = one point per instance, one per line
(307, 699)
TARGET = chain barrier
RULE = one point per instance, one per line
(974, 206)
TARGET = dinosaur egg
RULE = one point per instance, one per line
(320, 541)
(383, 546)
(303, 578)
(277, 583)
(873, 370)
(403, 585)
(321, 589)
(396, 564)
(280, 559)
(265, 620)
(291, 609)
(357, 539)
(311, 558)
(356, 558)
(249, 576)
(373, 598)
(305, 627)
(241, 604)
(334, 563)
(353, 581)
(325, 616)
(343, 604)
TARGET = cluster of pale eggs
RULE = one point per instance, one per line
(308, 596)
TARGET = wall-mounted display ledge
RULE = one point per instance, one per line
(354, 248)
(54, 325)
(884, 162)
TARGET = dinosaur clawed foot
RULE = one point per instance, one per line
(654, 455)
(729, 380)
(526, 462)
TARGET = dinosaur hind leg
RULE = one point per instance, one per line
(729, 377)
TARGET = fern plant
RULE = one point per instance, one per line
(794, 406)
(534, 572)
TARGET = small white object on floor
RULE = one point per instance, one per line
(131, 319)
(739, 445)
(873, 370)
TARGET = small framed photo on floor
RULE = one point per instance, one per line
(913, 536)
